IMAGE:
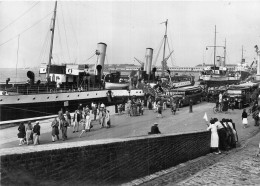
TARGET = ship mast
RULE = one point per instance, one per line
(242, 59)
(165, 38)
(215, 49)
(51, 46)
(225, 52)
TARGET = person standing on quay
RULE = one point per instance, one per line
(55, 129)
(36, 133)
(220, 101)
(21, 133)
(244, 118)
(214, 141)
(28, 130)
(191, 103)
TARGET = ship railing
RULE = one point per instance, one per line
(49, 90)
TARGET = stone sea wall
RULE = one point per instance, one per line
(99, 161)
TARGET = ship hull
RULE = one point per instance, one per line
(14, 107)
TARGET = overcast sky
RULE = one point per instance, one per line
(128, 28)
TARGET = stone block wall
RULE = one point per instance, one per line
(95, 162)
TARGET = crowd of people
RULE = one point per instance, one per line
(83, 118)
(223, 135)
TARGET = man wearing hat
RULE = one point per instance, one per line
(155, 129)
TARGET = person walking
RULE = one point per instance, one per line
(76, 120)
(173, 107)
(21, 133)
(36, 133)
(214, 140)
(107, 119)
(68, 118)
(63, 128)
(244, 118)
(55, 129)
(87, 125)
(102, 115)
(28, 130)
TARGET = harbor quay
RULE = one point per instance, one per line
(126, 128)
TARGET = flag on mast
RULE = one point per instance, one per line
(205, 117)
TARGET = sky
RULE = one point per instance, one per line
(128, 28)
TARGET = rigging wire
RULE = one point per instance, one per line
(17, 58)
(170, 51)
(156, 58)
(65, 33)
(73, 30)
(44, 47)
(59, 37)
(19, 16)
(25, 29)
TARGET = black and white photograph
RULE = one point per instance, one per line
(129, 92)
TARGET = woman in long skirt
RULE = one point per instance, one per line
(244, 118)
(28, 130)
(214, 142)
(86, 124)
(107, 119)
(21, 134)
(55, 129)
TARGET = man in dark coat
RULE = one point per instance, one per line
(155, 129)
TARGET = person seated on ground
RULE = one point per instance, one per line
(155, 129)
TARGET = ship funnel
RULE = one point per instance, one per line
(148, 60)
(101, 54)
(31, 76)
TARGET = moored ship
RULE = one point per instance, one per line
(66, 87)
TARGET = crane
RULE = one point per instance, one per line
(141, 63)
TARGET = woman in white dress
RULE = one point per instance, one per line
(244, 118)
(107, 119)
(214, 142)
(86, 124)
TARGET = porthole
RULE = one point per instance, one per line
(33, 98)
(78, 95)
(68, 95)
(1, 100)
(48, 97)
(18, 99)
(87, 94)
(57, 96)
(96, 93)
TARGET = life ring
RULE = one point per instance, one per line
(4, 93)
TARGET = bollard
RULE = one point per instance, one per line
(191, 105)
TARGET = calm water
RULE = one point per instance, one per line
(20, 76)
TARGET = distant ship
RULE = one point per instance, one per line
(218, 74)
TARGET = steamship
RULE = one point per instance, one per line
(218, 74)
(66, 87)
